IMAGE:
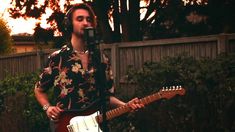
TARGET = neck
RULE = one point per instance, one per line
(77, 43)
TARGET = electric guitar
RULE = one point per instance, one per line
(90, 121)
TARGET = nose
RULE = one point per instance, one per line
(85, 22)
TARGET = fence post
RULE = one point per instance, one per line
(38, 59)
(222, 43)
(115, 64)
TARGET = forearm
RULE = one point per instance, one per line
(41, 97)
(133, 104)
(115, 102)
(52, 112)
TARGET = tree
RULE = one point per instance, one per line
(162, 19)
(32, 8)
(103, 9)
(5, 38)
(175, 18)
(42, 35)
(221, 17)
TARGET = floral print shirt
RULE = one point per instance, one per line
(74, 87)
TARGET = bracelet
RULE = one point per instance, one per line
(45, 107)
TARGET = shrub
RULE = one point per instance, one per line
(18, 106)
(208, 104)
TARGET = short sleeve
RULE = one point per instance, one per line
(108, 74)
(47, 76)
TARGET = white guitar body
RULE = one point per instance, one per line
(84, 124)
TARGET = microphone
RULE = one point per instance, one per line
(92, 41)
(90, 36)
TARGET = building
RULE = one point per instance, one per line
(24, 43)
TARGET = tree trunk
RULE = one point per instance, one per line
(101, 9)
(116, 20)
(130, 20)
(134, 20)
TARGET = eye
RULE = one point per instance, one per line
(80, 18)
(88, 19)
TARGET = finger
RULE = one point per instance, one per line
(53, 117)
(55, 112)
(140, 105)
(59, 109)
(135, 100)
(133, 106)
(51, 111)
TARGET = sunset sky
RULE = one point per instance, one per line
(21, 25)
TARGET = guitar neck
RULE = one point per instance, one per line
(124, 109)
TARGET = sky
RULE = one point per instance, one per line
(20, 25)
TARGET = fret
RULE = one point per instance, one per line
(148, 99)
(117, 111)
(108, 114)
(112, 112)
(144, 100)
(151, 97)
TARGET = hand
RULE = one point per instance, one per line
(53, 112)
(135, 104)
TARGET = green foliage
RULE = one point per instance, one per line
(5, 38)
(18, 105)
(208, 104)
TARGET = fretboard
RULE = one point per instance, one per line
(124, 109)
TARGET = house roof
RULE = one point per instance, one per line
(23, 40)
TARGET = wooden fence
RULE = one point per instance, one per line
(130, 53)
(136, 53)
(23, 63)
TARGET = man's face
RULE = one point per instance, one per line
(80, 19)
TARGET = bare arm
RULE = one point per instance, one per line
(115, 102)
(134, 103)
(41, 97)
(52, 112)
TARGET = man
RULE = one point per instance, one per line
(71, 73)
